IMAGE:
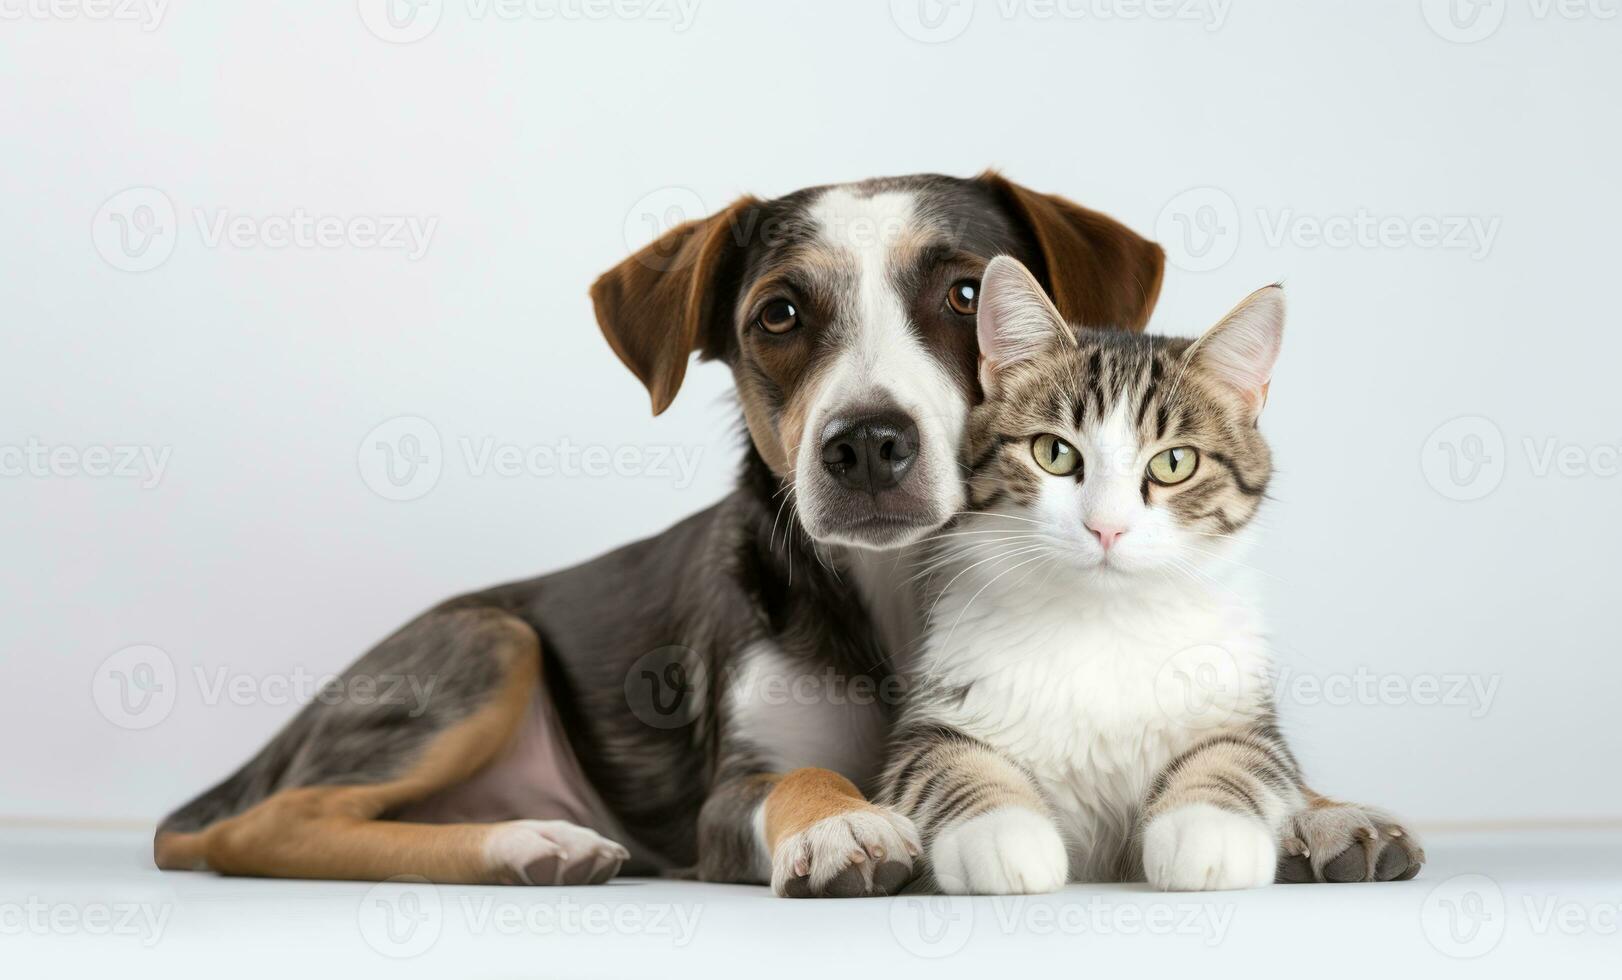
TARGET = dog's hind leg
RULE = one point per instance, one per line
(316, 802)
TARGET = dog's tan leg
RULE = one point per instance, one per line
(335, 831)
(826, 839)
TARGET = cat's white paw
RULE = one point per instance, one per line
(1200, 847)
(1009, 851)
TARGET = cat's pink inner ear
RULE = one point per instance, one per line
(1242, 349)
(1016, 320)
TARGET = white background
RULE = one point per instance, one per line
(543, 148)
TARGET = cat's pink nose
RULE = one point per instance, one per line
(1107, 536)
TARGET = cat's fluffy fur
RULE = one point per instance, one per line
(1093, 699)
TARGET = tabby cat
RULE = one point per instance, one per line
(1093, 699)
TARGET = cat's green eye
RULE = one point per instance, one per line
(1173, 465)
(1055, 455)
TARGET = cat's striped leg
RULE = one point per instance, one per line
(1216, 813)
(987, 829)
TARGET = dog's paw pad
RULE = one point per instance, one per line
(1344, 842)
(551, 852)
(866, 851)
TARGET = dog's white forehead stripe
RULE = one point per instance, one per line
(880, 360)
(864, 231)
(881, 352)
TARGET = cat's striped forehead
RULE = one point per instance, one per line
(1071, 390)
(1123, 394)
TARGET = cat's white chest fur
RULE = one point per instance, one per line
(1095, 693)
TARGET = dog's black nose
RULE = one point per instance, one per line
(871, 453)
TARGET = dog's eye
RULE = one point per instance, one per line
(964, 297)
(779, 316)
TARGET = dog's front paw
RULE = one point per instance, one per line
(861, 852)
(1345, 842)
(1200, 847)
(1009, 851)
(550, 852)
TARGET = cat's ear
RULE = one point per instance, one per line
(1241, 350)
(1015, 320)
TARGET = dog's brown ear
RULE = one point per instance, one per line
(1100, 272)
(660, 305)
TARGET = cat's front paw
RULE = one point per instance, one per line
(865, 851)
(1346, 842)
(1009, 851)
(1200, 847)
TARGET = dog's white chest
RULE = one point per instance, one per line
(1096, 701)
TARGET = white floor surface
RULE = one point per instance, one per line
(89, 903)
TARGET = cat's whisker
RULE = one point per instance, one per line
(930, 616)
(947, 644)
(995, 513)
(1232, 561)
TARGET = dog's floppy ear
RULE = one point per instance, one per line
(663, 303)
(1099, 272)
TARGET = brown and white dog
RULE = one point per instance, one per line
(714, 699)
